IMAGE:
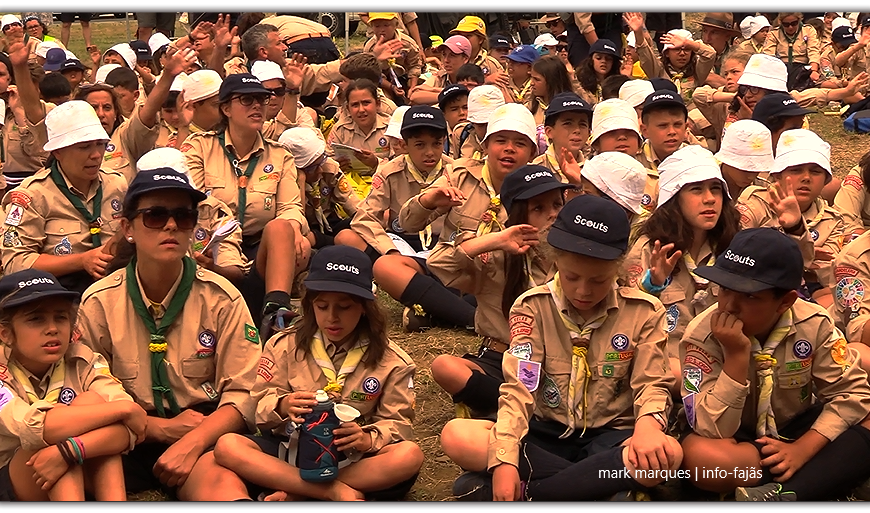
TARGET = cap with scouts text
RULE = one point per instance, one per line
(775, 105)
(604, 46)
(143, 52)
(30, 285)
(54, 59)
(567, 102)
(241, 83)
(450, 92)
(843, 36)
(160, 179)
(423, 116)
(72, 64)
(661, 99)
(663, 84)
(591, 226)
(340, 269)
(524, 54)
(757, 259)
(527, 182)
(499, 41)
(689, 164)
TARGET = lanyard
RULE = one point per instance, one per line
(93, 219)
(242, 178)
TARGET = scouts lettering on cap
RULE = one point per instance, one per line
(169, 177)
(422, 115)
(734, 257)
(35, 281)
(591, 226)
(539, 174)
(30, 285)
(527, 182)
(341, 269)
(578, 219)
(331, 266)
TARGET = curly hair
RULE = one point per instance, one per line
(585, 73)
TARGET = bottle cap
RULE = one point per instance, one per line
(321, 396)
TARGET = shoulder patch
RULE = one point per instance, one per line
(853, 181)
(842, 271)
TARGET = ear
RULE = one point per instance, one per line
(126, 227)
(786, 301)
(547, 131)
(7, 336)
(136, 95)
(643, 130)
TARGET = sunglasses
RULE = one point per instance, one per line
(561, 48)
(157, 217)
(791, 23)
(7, 27)
(248, 99)
(277, 91)
(552, 23)
(743, 89)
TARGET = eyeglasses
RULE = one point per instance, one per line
(743, 89)
(561, 48)
(157, 217)
(248, 99)
(9, 26)
(552, 23)
(277, 91)
(791, 24)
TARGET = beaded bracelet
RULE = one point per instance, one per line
(81, 447)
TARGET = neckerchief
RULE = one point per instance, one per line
(426, 234)
(353, 358)
(521, 93)
(764, 364)
(160, 385)
(818, 203)
(490, 217)
(647, 153)
(701, 284)
(93, 219)
(242, 178)
(791, 41)
(580, 338)
(55, 383)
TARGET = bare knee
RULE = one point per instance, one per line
(87, 398)
(410, 455)
(449, 373)
(347, 237)
(229, 448)
(279, 228)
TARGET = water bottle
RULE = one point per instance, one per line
(317, 458)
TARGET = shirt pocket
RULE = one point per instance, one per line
(793, 379)
(613, 389)
(197, 368)
(267, 183)
(58, 233)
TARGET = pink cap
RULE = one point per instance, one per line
(459, 44)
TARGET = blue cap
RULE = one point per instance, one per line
(54, 59)
(524, 53)
(31, 285)
(499, 41)
(605, 46)
(341, 269)
(567, 102)
(591, 226)
(241, 83)
(527, 182)
(162, 178)
(663, 98)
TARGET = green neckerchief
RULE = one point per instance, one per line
(791, 42)
(159, 376)
(242, 177)
(93, 219)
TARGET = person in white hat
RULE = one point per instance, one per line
(60, 220)
(621, 178)
(158, 43)
(466, 137)
(635, 92)
(615, 127)
(394, 132)
(41, 51)
(200, 93)
(546, 43)
(120, 54)
(284, 109)
(757, 28)
(746, 155)
(694, 221)
(800, 171)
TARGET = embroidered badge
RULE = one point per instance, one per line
(266, 363)
(207, 339)
(692, 360)
(63, 247)
(371, 385)
(20, 198)
(209, 390)
(619, 342)
(377, 181)
(324, 192)
(5, 396)
(343, 185)
(110, 147)
(855, 181)
(814, 234)
(268, 168)
(672, 316)
(251, 334)
(522, 351)
(529, 374)
(185, 147)
(16, 212)
(607, 370)
(798, 365)
(267, 203)
(67, 395)
(842, 271)
(204, 353)
(840, 353)
(396, 227)
(552, 397)
(116, 204)
(264, 373)
(849, 291)
(802, 349)
(10, 238)
(692, 379)
(382, 142)
(619, 357)
(645, 200)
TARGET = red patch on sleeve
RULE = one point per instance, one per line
(263, 373)
(520, 330)
(76, 336)
(692, 360)
(184, 147)
(521, 319)
(377, 181)
(266, 363)
(19, 198)
(843, 271)
(485, 257)
(853, 180)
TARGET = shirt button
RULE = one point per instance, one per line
(117, 278)
(61, 230)
(501, 451)
(200, 274)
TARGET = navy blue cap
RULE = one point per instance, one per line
(241, 83)
(663, 98)
(777, 105)
(31, 285)
(72, 64)
(499, 41)
(423, 116)
(524, 53)
(340, 269)
(567, 102)
(757, 259)
(663, 84)
(143, 51)
(162, 178)
(449, 93)
(843, 36)
(527, 182)
(54, 59)
(591, 226)
(605, 46)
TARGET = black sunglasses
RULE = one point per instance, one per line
(248, 99)
(277, 91)
(552, 23)
(9, 26)
(157, 217)
(561, 48)
(791, 23)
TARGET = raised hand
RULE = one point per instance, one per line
(634, 20)
(785, 205)
(661, 266)
(518, 239)
(294, 70)
(386, 50)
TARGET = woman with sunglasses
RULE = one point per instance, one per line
(178, 337)
(257, 178)
(11, 25)
(797, 45)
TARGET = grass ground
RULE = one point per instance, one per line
(434, 407)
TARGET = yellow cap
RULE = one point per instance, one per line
(436, 41)
(383, 16)
(470, 24)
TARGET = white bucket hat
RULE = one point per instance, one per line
(178, 82)
(394, 127)
(512, 117)
(9, 19)
(621, 177)
(2, 112)
(70, 55)
(765, 71)
(799, 146)
(164, 157)
(747, 146)
(631, 40)
(757, 23)
(545, 39)
(71, 123)
(127, 53)
(267, 70)
(636, 91)
(678, 32)
(689, 164)
(304, 144)
(202, 84)
(157, 41)
(43, 48)
(103, 71)
(482, 103)
(613, 114)
(744, 27)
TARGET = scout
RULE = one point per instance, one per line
(797, 45)
(852, 200)
(61, 220)
(769, 385)
(64, 420)
(852, 275)
(200, 92)
(779, 112)
(566, 124)
(465, 138)
(265, 199)
(468, 199)
(603, 61)
(283, 110)
(474, 30)
(615, 127)
(455, 52)
(453, 102)
(800, 170)
(409, 65)
(519, 70)
(341, 318)
(363, 130)
(586, 379)
(171, 115)
(194, 377)
(497, 268)
(746, 154)
(663, 125)
(759, 27)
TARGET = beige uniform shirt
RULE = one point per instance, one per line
(471, 147)
(627, 356)
(551, 162)
(805, 50)
(828, 65)
(409, 59)
(750, 46)
(212, 214)
(651, 63)
(272, 190)
(167, 136)
(22, 149)
(824, 228)
(650, 161)
(332, 193)
(273, 128)
(852, 277)
(22, 423)
(853, 204)
(392, 186)
(812, 364)
(715, 112)
(386, 107)
(488, 64)
(348, 133)
(384, 394)
(212, 347)
(129, 142)
(40, 220)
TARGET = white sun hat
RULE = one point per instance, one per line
(43, 48)
(482, 103)
(71, 123)
(103, 71)
(202, 84)
(545, 39)
(744, 27)
(765, 71)
(304, 144)
(797, 147)
(394, 127)
(127, 53)
(613, 114)
(690, 164)
(678, 32)
(747, 146)
(267, 70)
(621, 177)
(157, 41)
(512, 117)
(9, 19)
(164, 157)
(636, 91)
(757, 23)
(178, 82)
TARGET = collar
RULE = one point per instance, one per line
(158, 312)
(258, 146)
(92, 191)
(609, 303)
(381, 122)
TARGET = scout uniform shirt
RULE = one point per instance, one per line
(167, 136)
(805, 49)
(40, 220)
(22, 149)
(128, 143)
(750, 46)
(685, 297)
(22, 419)
(650, 161)
(331, 196)
(829, 69)
(627, 374)
(386, 107)
(824, 228)
(488, 64)
(651, 63)
(393, 184)
(812, 363)
(715, 112)
(348, 133)
(271, 191)
(273, 128)
(383, 394)
(853, 204)
(550, 161)
(464, 142)
(212, 346)
(409, 60)
(518, 94)
(212, 214)
(851, 297)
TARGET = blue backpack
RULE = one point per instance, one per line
(858, 122)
